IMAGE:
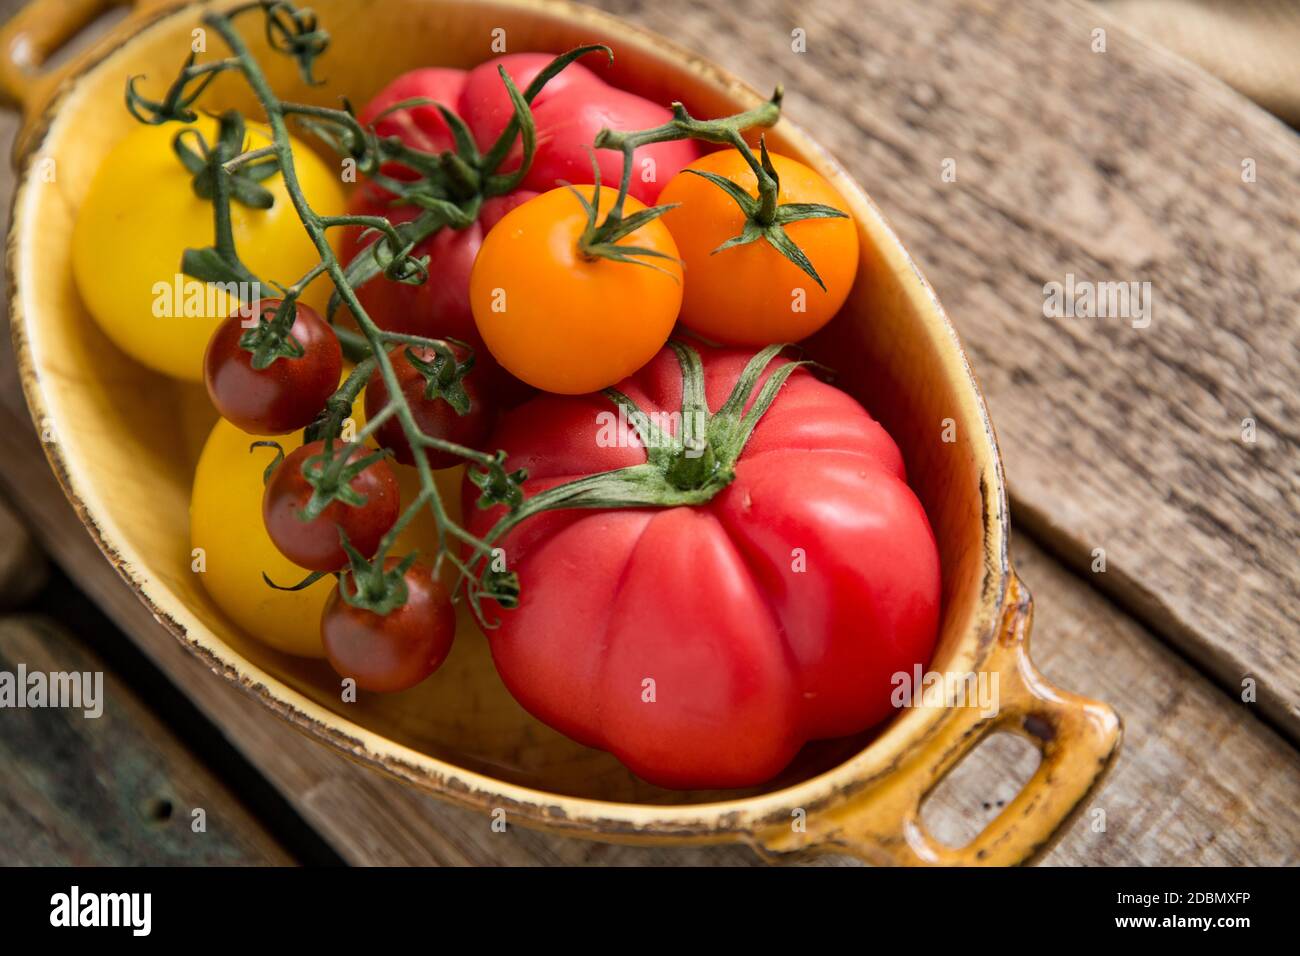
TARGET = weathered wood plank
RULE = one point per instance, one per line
(1200, 780)
(1122, 166)
(113, 789)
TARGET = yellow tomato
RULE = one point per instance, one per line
(142, 213)
(226, 522)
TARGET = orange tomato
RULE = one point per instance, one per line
(560, 320)
(751, 294)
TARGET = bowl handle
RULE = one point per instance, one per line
(1078, 739)
(33, 35)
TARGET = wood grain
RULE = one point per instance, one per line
(116, 789)
(1116, 167)
(1200, 780)
(1098, 175)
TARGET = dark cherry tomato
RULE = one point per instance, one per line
(435, 416)
(394, 651)
(315, 544)
(287, 394)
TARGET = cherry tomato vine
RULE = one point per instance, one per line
(449, 188)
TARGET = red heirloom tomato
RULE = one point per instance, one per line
(435, 416)
(287, 394)
(393, 651)
(315, 544)
(568, 112)
(768, 599)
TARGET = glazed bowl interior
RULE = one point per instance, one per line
(128, 440)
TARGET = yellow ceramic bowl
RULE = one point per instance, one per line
(124, 443)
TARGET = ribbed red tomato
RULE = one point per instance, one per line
(704, 644)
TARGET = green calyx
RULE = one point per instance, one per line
(207, 164)
(449, 187)
(688, 465)
(175, 106)
(498, 486)
(302, 585)
(295, 32)
(272, 338)
(497, 585)
(371, 584)
(764, 218)
(696, 467)
(330, 475)
(274, 463)
(605, 239)
(444, 377)
(464, 174)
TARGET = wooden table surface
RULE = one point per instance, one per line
(1117, 166)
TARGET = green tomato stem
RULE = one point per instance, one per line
(312, 222)
(686, 469)
(725, 131)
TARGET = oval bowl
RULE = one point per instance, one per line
(124, 442)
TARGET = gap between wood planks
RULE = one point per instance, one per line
(1131, 599)
(63, 601)
(115, 790)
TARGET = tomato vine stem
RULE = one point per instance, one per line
(681, 469)
(370, 571)
(765, 216)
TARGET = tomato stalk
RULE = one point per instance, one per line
(765, 218)
(226, 172)
(330, 475)
(338, 407)
(603, 237)
(450, 187)
(316, 228)
(685, 468)
(724, 131)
